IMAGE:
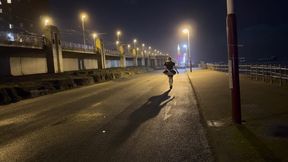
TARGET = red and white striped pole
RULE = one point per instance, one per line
(233, 62)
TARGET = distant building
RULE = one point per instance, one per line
(22, 15)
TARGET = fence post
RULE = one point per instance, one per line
(257, 72)
(270, 73)
(286, 79)
(250, 71)
(263, 74)
(280, 75)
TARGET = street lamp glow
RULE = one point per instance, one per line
(118, 33)
(150, 47)
(117, 43)
(128, 46)
(94, 35)
(143, 45)
(46, 22)
(185, 31)
(135, 41)
(83, 16)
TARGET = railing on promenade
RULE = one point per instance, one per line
(109, 52)
(267, 73)
(76, 47)
(10, 39)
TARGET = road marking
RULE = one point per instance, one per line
(167, 115)
(95, 105)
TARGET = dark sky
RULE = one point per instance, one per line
(262, 24)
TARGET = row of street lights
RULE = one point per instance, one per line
(143, 48)
(84, 17)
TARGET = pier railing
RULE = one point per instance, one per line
(76, 47)
(12, 39)
(267, 73)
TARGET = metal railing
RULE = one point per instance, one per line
(76, 47)
(112, 52)
(11, 39)
(266, 73)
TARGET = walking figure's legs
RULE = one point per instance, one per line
(170, 81)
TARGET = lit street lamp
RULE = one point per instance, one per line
(187, 31)
(83, 19)
(94, 35)
(135, 41)
(118, 33)
(117, 43)
(46, 22)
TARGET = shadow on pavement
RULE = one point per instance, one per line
(147, 111)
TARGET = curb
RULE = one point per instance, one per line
(202, 118)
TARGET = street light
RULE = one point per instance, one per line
(117, 43)
(83, 17)
(187, 31)
(94, 35)
(47, 21)
(118, 33)
(135, 41)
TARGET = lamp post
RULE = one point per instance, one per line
(94, 35)
(134, 42)
(83, 19)
(117, 43)
(187, 31)
(233, 64)
(118, 33)
(46, 22)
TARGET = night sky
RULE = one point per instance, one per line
(262, 24)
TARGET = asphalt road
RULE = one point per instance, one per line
(126, 120)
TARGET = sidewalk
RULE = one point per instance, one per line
(264, 134)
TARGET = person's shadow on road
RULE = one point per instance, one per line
(147, 111)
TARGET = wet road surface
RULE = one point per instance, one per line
(136, 119)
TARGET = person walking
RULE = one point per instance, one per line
(169, 70)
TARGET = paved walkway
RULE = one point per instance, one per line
(264, 135)
(135, 120)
